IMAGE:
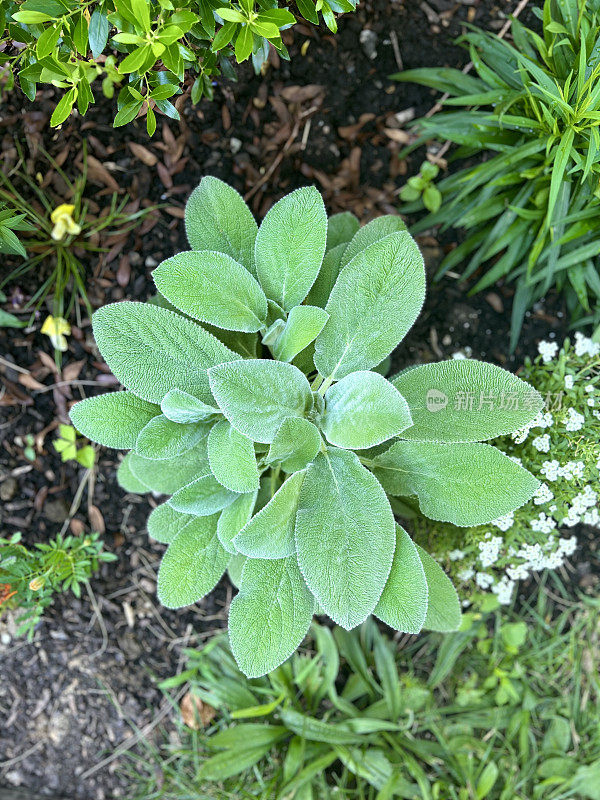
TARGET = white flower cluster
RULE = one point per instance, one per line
(489, 550)
(552, 470)
(585, 346)
(542, 443)
(580, 504)
(576, 420)
(547, 350)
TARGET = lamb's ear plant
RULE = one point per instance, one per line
(256, 405)
(527, 121)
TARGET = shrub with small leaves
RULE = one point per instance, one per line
(30, 577)
(256, 403)
(151, 49)
(561, 448)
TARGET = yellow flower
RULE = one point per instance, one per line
(62, 217)
(36, 584)
(56, 328)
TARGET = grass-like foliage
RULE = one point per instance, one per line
(504, 710)
(30, 577)
(530, 207)
(152, 49)
(255, 404)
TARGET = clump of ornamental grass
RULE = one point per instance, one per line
(528, 199)
(561, 448)
(254, 400)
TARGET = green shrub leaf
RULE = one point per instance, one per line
(233, 518)
(340, 229)
(295, 445)
(179, 406)
(328, 275)
(270, 616)
(363, 410)
(212, 287)
(193, 564)
(202, 497)
(462, 483)
(403, 602)
(366, 320)
(127, 480)
(373, 232)
(164, 523)
(161, 438)
(171, 474)
(231, 458)
(217, 218)
(443, 606)
(304, 324)
(152, 350)
(270, 533)
(256, 396)
(345, 536)
(290, 246)
(113, 420)
(465, 401)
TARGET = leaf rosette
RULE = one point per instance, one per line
(256, 400)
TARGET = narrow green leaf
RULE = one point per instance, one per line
(164, 523)
(161, 438)
(403, 602)
(171, 474)
(373, 232)
(443, 606)
(233, 518)
(179, 406)
(340, 229)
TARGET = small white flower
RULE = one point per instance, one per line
(549, 469)
(484, 580)
(589, 388)
(456, 555)
(547, 350)
(466, 574)
(543, 494)
(568, 381)
(585, 346)
(505, 522)
(591, 402)
(542, 443)
(503, 591)
(567, 546)
(575, 421)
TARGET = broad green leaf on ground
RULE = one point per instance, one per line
(463, 400)
(403, 602)
(443, 607)
(164, 523)
(160, 438)
(113, 420)
(463, 483)
(256, 396)
(212, 287)
(328, 274)
(290, 245)
(295, 445)
(152, 350)
(340, 229)
(193, 564)
(202, 497)
(304, 324)
(182, 407)
(374, 302)
(171, 474)
(270, 616)
(127, 480)
(270, 533)
(363, 410)
(370, 233)
(233, 518)
(231, 458)
(217, 218)
(345, 536)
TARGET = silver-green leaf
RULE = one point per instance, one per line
(372, 232)
(443, 606)
(231, 458)
(295, 445)
(233, 518)
(171, 474)
(179, 406)
(304, 324)
(164, 523)
(162, 439)
(403, 602)
(202, 497)
(113, 420)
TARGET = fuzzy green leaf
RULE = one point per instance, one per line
(270, 616)
(328, 275)
(256, 396)
(233, 518)
(463, 483)
(403, 602)
(152, 350)
(217, 218)
(231, 458)
(193, 564)
(171, 474)
(290, 245)
(161, 438)
(303, 325)
(363, 410)
(127, 480)
(212, 287)
(374, 302)
(270, 533)
(113, 420)
(373, 232)
(345, 536)
(295, 445)
(341, 228)
(465, 401)
(443, 606)
(202, 497)
(179, 406)
(164, 523)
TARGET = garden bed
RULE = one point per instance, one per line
(331, 117)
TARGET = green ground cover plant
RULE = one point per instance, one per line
(254, 401)
(527, 121)
(505, 709)
(30, 577)
(561, 447)
(149, 51)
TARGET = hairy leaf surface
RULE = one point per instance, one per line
(162, 439)
(231, 458)
(179, 406)
(304, 324)
(202, 497)
(171, 474)
(340, 229)
(443, 608)
(113, 420)
(403, 602)
(372, 232)
(164, 523)
(233, 518)
(127, 480)
(295, 445)
(345, 536)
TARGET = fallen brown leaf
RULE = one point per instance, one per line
(194, 713)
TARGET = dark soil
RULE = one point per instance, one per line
(74, 695)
